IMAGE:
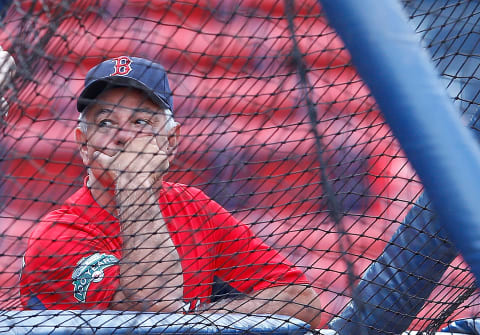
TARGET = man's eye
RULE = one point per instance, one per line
(105, 123)
(142, 122)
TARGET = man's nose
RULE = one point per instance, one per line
(124, 135)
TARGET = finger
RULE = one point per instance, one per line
(160, 158)
(7, 63)
(102, 159)
(162, 141)
(144, 145)
(160, 166)
(7, 68)
(4, 107)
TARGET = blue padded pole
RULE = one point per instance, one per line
(395, 287)
(4, 4)
(399, 73)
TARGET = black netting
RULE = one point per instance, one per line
(276, 127)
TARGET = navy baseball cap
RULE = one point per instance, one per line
(125, 71)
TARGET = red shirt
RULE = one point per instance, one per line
(72, 256)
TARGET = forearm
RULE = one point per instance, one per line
(295, 300)
(150, 271)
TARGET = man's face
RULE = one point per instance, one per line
(119, 116)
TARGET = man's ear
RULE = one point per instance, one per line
(81, 140)
(173, 137)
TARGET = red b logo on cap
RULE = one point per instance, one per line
(122, 66)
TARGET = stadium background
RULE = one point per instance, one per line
(246, 136)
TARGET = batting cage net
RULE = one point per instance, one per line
(286, 192)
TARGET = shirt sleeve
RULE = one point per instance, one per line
(67, 268)
(245, 261)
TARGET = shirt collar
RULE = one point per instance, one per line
(85, 206)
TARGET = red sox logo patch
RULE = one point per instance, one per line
(122, 66)
(90, 270)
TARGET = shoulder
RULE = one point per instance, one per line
(62, 221)
(56, 223)
(187, 200)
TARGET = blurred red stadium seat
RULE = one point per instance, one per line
(247, 136)
(49, 6)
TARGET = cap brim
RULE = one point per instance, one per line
(90, 93)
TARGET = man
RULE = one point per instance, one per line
(129, 240)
